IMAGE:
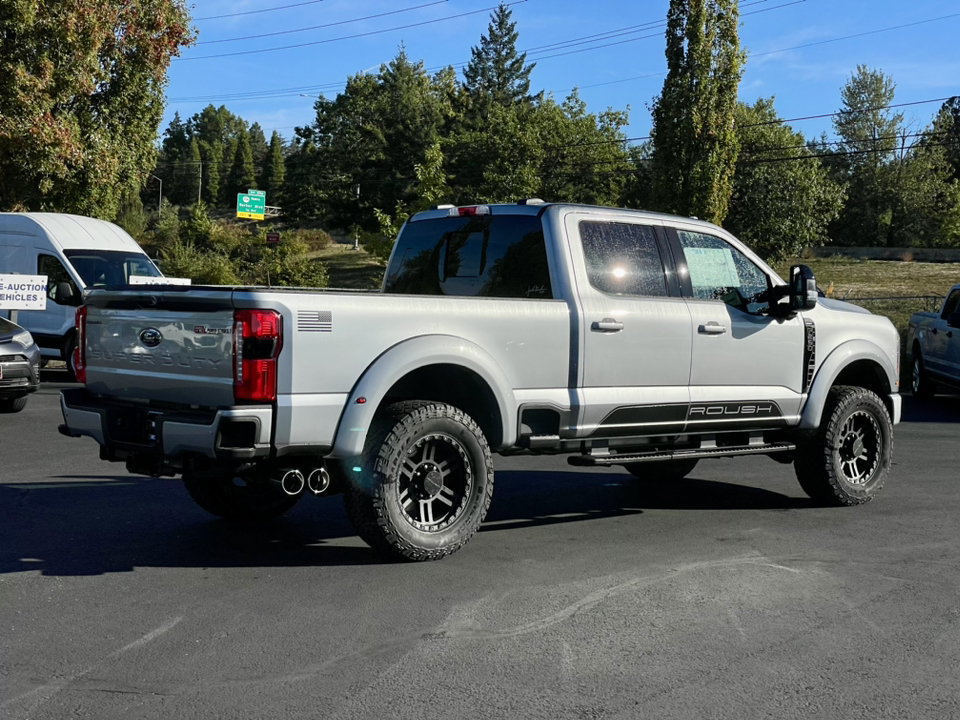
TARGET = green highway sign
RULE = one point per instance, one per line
(251, 206)
(261, 193)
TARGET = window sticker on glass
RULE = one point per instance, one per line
(711, 267)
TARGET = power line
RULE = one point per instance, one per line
(571, 42)
(348, 37)
(856, 35)
(253, 12)
(319, 27)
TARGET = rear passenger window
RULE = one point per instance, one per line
(486, 256)
(950, 306)
(622, 258)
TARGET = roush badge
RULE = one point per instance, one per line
(204, 330)
(150, 337)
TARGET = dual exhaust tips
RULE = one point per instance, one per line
(293, 481)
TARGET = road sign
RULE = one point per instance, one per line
(23, 292)
(273, 237)
(258, 193)
(251, 206)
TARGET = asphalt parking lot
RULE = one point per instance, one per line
(587, 594)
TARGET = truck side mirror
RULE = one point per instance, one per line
(65, 294)
(803, 288)
(953, 320)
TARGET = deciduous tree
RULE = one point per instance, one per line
(783, 198)
(81, 99)
(694, 141)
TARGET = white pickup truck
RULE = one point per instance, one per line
(933, 346)
(617, 337)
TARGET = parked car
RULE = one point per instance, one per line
(19, 366)
(933, 346)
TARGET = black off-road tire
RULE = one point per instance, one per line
(13, 405)
(664, 470)
(846, 462)
(920, 382)
(424, 484)
(242, 502)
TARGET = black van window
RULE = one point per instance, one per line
(622, 258)
(482, 255)
(56, 273)
(110, 267)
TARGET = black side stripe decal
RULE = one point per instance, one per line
(809, 352)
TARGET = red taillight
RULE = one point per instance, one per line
(80, 351)
(257, 338)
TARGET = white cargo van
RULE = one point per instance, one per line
(80, 251)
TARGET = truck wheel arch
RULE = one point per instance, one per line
(856, 362)
(411, 361)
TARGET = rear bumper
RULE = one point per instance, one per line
(123, 428)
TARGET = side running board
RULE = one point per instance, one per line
(728, 451)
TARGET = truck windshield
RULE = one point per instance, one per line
(110, 267)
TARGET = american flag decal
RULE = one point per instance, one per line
(315, 321)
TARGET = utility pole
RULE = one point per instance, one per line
(200, 183)
(160, 199)
(356, 233)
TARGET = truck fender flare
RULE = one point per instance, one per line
(841, 357)
(404, 358)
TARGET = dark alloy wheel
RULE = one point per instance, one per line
(234, 498)
(921, 384)
(662, 470)
(424, 483)
(846, 463)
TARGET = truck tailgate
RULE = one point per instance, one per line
(161, 346)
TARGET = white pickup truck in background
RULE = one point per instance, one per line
(933, 346)
(617, 337)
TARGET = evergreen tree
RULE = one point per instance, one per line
(866, 159)
(272, 177)
(694, 142)
(496, 73)
(258, 147)
(212, 156)
(947, 129)
(241, 177)
(193, 170)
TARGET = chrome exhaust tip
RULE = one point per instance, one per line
(292, 482)
(318, 481)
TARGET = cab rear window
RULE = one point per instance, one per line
(480, 256)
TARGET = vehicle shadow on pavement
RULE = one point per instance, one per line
(98, 524)
(938, 409)
(527, 499)
(92, 525)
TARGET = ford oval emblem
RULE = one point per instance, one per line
(150, 337)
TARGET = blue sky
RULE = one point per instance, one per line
(800, 51)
